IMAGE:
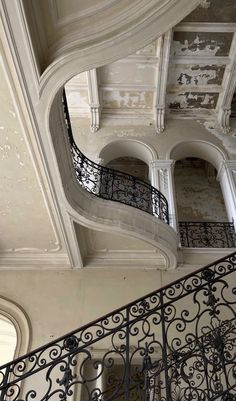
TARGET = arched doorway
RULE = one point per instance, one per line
(202, 196)
(8, 340)
(202, 215)
(14, 331)
(198, 193)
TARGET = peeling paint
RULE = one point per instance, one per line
(196, 75)
(213, 12)
(201, 44)
(193, 100)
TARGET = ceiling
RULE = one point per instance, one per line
(186, 73)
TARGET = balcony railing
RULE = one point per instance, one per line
(207, 234)
(114, 185)
(174, 344)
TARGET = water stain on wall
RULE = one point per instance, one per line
(127, 100)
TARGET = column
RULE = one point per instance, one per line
(227, 177)
(161, 177)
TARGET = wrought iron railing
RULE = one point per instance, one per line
(177, 343)
(114, 185)
(207, 234)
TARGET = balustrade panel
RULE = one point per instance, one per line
(207, 234)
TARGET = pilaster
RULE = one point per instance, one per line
(227, 177)
(161, 175)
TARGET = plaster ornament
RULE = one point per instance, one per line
(163, 179)
(160, 115)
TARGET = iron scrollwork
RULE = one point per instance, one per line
(207, 234)
(175, 344)
(114, 185)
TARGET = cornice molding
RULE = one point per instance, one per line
(23, 259)
(205, 27)
(162, 163)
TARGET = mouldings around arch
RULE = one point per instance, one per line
(198, 148)
(127, 147)
(21, 323)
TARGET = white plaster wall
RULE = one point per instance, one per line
(22, 200)
(58, 302)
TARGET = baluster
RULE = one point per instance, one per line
(164, 349)
(4, 384)
(127, 358)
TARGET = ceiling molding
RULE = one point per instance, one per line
(201, 60)
(27, 260)
(127, 87)
(205, 27)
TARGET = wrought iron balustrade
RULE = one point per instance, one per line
(207, 234)
(177, 343)
(114, 185)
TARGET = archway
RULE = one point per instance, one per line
(15, 330)
(128, 148)
(205, 216)
(198, 193)
(8, 340)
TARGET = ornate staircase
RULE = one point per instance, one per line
(177, 343)
(110, 184)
